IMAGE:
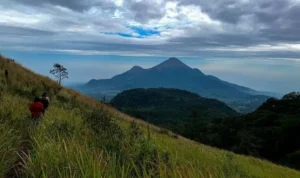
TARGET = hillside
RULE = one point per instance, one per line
(170, 108)
(270, 132)
(79, 137)
(172, 73)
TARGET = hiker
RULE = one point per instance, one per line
(6, 74)
(45, 100)
(37, 109)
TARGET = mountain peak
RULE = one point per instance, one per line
(172, 63)
(136, 68)
(173, 59)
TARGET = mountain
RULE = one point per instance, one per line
(81, 137)
(271, 132)
(173, 73)
(169, 108)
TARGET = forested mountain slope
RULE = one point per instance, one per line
(271, 132)
(170, 108)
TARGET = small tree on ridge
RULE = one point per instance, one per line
(59, 72)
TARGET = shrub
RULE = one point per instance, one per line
(108, 132)
(135, 131)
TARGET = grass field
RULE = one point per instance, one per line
(80, 137)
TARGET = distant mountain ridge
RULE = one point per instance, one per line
(173, 73)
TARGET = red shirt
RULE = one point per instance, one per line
(36, 109)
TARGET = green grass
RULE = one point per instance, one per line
(14, 128)
(79, 137)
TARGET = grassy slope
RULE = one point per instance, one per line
(67, 143)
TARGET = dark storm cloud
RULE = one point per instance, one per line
(77, 5)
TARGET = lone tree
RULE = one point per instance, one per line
(59, 72)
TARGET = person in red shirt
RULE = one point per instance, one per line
(37, 109)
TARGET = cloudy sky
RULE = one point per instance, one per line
(255, 43)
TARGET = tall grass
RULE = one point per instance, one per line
(14, 131)
(79, 137)
(66, 145)
(9, 143)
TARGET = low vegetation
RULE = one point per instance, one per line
(79, 137)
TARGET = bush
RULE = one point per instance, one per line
(108, 132)
(135, 131)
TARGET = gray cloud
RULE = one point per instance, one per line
(241, 24)
(143, 11)
(273, 21)
(231, 11)
(22, 31)
(77, 5)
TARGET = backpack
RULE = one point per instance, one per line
(45, 101)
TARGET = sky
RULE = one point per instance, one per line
(254, 43)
